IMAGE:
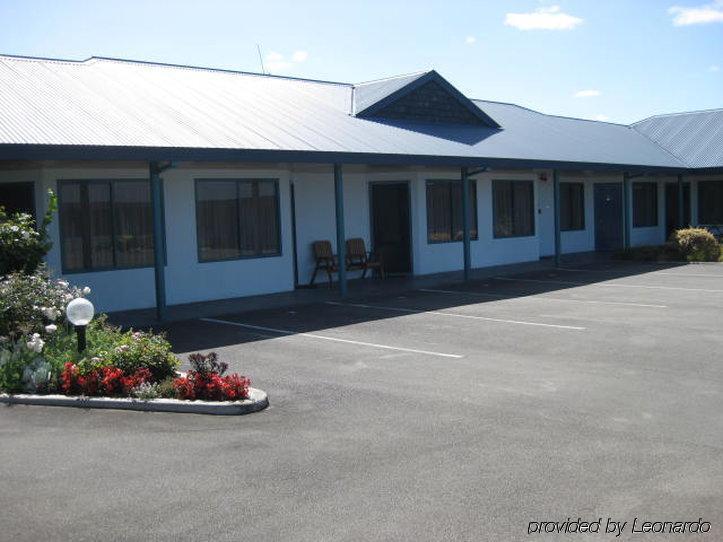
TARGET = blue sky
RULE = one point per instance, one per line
(617, 60)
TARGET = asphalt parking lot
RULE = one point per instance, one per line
(459, 412)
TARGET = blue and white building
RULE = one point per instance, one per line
(180, 184)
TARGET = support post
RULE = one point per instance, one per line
(681, 214)
(340, 235)
(556, 204)
(465, 223)
(626, 210)
(158, 263)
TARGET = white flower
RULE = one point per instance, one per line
(50, 313)
(14, 228)
(35, 343)
(86, 290)
(52, 328)
(63, 283)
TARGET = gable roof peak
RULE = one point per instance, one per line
(418, 97)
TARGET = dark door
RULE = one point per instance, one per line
(390, 225)
(671, 207)
(608, 216)
(18, 197)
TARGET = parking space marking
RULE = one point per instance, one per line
(616, 285)
(456, 315)
(672, 274)
(544, 298)
(333, 339)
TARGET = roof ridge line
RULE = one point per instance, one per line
(551, 114)
(399, 76)
(678, 113)
(94, 58)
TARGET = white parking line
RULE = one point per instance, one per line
(544, 298)
(334, 339)
(673, 274)
(616, 285)
(455, 315)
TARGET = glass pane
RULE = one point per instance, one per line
(133, 223)
(268, 224)
(710, 202)
(71, 226)
(100, 220)
(217, 220)
(248, 221)
(439, 212)
(523, 212)
(502, 202)
(645, 204)
(572, 206)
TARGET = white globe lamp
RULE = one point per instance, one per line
(80, 312)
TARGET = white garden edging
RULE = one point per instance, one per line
(258, 400)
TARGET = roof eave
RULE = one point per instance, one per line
(16, 152)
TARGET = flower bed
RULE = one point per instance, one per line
(39, 351)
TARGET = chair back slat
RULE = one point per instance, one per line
(355, 248)
(322, 249)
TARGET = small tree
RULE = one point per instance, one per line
(22, 246)
(696, 245)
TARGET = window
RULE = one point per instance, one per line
(105, 224)
(572, 206)
(237, 219)
(710, 202)
(645, 204)
(444, 211)
(513, 208)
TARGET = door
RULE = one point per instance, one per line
(391, 226)
(671, 207)
(18, 197)
(608, 216)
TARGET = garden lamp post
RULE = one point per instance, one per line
(80, 312)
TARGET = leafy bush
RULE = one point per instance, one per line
(30, 303)
(696, 245)
(136, 349)
(206, 381)
(22, 246)
(15, 358)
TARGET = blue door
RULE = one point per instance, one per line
(608, 216)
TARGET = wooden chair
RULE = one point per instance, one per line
(325, 260)
(358, 258)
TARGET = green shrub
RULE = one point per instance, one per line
(137, 349)
(17, 360)
(696, 245)
(22, 246)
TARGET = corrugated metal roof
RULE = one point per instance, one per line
(696, 137)
(370, 92)
(112, 103)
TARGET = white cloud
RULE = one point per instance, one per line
(601, 118)
(276, 62)
(714, 68)
(543, 18)
(469, 40)
(703, 14)
(587, 93)
(299, 56)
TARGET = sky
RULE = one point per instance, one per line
(613, 60)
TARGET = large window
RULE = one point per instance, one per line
(105, 224)
(513, 208)
(645, 204)
(444, 211)
(572, 206)
(710, 202)
(237, 219)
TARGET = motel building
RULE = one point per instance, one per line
(179, 184)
